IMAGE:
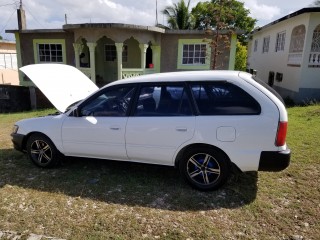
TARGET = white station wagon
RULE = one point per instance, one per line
(206, 123)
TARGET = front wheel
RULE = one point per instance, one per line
(42, 151)
(204, 168)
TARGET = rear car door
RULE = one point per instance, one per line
(160, 122)
(99, 129)
(237, 119)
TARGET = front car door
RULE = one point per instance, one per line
(161, 121)
(99, 130)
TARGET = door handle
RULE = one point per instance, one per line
(115, 128)
(181, 129)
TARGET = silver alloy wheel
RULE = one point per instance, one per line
(41, 152)
(203, 168)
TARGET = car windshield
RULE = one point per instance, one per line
(262, 83)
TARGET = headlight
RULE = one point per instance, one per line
(15, 129)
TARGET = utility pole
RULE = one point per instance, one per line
(21, 18)
(156, 12)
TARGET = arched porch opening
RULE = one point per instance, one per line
(106, 61)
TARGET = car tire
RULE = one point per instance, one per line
(204, 168)
(42, 152)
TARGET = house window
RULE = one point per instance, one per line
(255, 47)
(111, 52)
(281, 39)
(50, 52)
(8, 60)
(279, 76)
(265, 47)
(315, 46)
(271, 79)
(194, 54)
(297, 39)
(125, 53)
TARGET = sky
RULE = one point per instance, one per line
(44, 14)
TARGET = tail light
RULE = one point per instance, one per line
(281, 134)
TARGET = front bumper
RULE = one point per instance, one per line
(274, 161)
(17, 140)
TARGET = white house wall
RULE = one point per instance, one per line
(310, 76)
(277, 61)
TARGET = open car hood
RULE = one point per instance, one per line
(62, 84)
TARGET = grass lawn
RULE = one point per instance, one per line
(95, 199)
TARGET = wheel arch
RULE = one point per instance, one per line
(185, 149)
(25, 139)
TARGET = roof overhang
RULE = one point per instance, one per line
(112, 25)
(36, 31)
(291, 15)
(197, 31)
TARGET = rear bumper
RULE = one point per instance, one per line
(274, 161)
(17, 140)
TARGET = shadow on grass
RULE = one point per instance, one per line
(125, 183)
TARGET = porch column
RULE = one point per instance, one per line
(92, 47)
(119, 47)
(233, 47)
(143, 48)
(156, 58)
(77, 49)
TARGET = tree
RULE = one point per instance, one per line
(233, 14)
(241, 57)
(179, 16)
(221, 31)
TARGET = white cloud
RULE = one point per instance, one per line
(262, 11)
(110, 4)
(50, 14)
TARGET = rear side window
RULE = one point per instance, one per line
(269, 88)
(163, 100)
(223, 98)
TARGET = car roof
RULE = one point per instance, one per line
(181, 76)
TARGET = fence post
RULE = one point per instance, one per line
(33, 97)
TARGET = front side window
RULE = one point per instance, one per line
(112, 102)
(194, 54)
(49, 52)
(222, 98)
(281, 39)
(163, 100)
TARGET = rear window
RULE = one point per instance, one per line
(223, 98)
(274, 92)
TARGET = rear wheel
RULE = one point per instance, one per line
(205, 168)
(42, 151)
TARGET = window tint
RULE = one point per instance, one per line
(111, 102)
(274, 92)
(163, 100)
(222, 98)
